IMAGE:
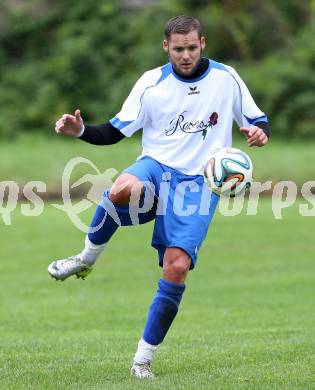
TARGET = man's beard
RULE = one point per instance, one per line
(193, 70)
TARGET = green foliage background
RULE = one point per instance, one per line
(56, 56)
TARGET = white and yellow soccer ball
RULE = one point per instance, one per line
(229, 171)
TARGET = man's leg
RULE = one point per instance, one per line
(110, 214)
(126, 193)
(176, 264)
(177, 238)
(105, 221)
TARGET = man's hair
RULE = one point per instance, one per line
(182, 25)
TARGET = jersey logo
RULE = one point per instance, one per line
(179, 123)
(214, 118)
(193, 91)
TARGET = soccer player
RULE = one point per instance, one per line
(186, 108)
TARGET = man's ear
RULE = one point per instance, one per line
(165, 46)
(203, 42)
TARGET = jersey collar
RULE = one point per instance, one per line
(204, 67)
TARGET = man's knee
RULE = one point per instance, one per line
(176, 264)
(124, 186)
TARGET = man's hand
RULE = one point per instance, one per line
(255, 136)
(70, 125)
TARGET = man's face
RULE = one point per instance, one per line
(184, 51)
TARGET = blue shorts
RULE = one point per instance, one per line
(181, 205)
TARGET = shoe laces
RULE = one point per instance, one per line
(71, 261)
(144, 368)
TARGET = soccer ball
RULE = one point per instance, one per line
(229, 171)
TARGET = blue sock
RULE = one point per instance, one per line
(162, 311)
(106, 220)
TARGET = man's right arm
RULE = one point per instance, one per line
(73, 126)
(104, 134)
(130, 118)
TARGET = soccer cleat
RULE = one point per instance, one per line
(74, 265)
(142, 370)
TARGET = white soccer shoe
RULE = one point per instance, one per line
(74, 265)
(142, 370)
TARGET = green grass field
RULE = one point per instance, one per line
(246, 321)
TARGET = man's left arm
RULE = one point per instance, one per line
(252, 121)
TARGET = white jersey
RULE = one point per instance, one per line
(183, 120)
